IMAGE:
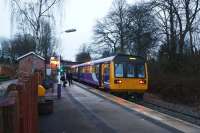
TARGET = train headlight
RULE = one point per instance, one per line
(118, 81)
(142, 81)
(132, 58)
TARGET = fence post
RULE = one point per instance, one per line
(9, 112)
(19, 109)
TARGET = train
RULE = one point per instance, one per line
(119, 74)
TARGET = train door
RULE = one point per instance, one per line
(104, 75)
(101, 76)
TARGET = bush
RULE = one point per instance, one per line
(184, 91)
(179, 85)
(4, 78)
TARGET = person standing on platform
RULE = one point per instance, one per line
(70, 74)
(63, 79)
(65, 82)
(69, 77)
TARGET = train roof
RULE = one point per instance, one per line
(107, 59)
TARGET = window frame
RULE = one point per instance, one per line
(115, 71)
(125, 69)
(144, 70)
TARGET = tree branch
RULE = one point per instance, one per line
(25, 14)
(53, 3)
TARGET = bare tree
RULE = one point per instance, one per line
(167, 20)
(19, 45)
(30, 15)
(119, 16)
(83, 55)
(182, 15)
(142, 30)
(48, 44)
(110, 32)
(104, 36)
(126, 29)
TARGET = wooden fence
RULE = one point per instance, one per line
(18, 109)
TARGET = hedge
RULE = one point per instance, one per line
(4, 78)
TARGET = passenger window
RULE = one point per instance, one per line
(97, 71)
(81, 70)
(106, 72)
(107, 69)
(131, 71)
(119, 70)
(140, 71)
(93, 69)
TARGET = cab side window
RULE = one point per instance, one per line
(141, 71)
(119, 70)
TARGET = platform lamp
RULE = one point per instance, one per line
(59, 67)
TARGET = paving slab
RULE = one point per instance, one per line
(80, 111)
(70, 117)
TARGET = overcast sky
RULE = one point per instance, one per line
(4, 20)
(79, 14)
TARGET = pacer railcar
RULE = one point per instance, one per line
(118, 74)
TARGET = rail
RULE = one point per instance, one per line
(184, 115)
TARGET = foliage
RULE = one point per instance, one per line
(19, 45)
(166, 33)
(47, 45)
(142, 30)
(176, 81)
(4, 78)
(126, 29)
(110, 31)
(83, 55)
(36, 18)
(178, 21)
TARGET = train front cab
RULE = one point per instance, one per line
(126, 74)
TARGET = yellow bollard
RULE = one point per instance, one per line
(41, 91)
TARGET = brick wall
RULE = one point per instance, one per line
(28, 65)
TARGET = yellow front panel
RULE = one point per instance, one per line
(128, 84)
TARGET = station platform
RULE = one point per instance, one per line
(85, 110)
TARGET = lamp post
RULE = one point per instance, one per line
(70, 30)
(59, 67)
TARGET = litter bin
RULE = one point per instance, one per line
(45, 107)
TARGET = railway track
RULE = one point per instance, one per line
(186, 116)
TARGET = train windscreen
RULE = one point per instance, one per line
(125, 70)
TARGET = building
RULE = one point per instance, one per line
(67, 64)
(29, 63)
